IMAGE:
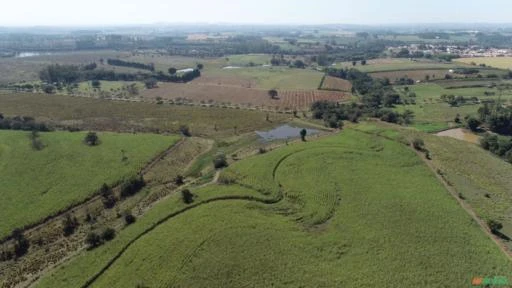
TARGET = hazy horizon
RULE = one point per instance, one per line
(243, 12)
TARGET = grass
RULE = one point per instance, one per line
(97, 114)
(396, 64)
(497, 62)
(354, 228)
(36, 184)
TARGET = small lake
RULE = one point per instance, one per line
(284, 132)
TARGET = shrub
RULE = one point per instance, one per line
(108, 234)
(220, 161)
(69, 224)
(93, 240)
(185, 131)
(187, 196)
(21, 244)
(262, 150)
(495, 226)
(129, 218)
(418, 144)
(108, 197)
(179, 180)
(132, 186)
(91, 139)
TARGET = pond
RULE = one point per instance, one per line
(284, 132)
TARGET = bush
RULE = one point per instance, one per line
(262, 150)
(69, 224)
(93, 240)
(185, 131)
(220, 161)
(179, 180)
(495, 226)
(132, 186)
(418, 144)
(21, 244)
(108, 197)
(129, 219)
(91, 139)
(187, 196)
(108, 234)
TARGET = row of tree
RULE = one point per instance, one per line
(121, 63)
(24, 123)
(71, 74)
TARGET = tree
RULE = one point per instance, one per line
(21, 244)
(220, 161)
(303, 134)
(363, 62)
(172, 70)
(473, 123)
(354, 63)
(272, 93)
(129, 218)
(49, 89)
(200, 66)
(299, 64)
(91, 139)
(151, 83)
(96, 84)
(187, 196)
(93, 240)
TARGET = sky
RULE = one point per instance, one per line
(122, 12)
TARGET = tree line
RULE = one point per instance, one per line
(24, 123)
(121, 63)
(71, 74)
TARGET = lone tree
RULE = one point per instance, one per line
(220, 161)
(91, 139)
(272, 93)
(187, 196)
(303, 134)
(200, 66)
(172, 70)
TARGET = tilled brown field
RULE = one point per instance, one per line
(238, 96)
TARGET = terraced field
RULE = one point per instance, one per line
(325, 213)
(37, 184)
